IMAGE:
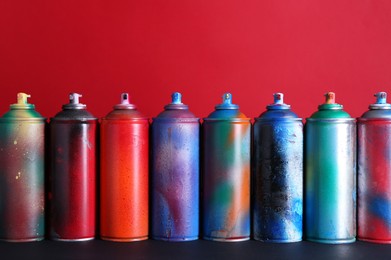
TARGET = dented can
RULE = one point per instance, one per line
(124, 174)
(22, 173)
(374, 169)
(72, 183)
(278, 174)
(175, 173)
(226, 173)
(330, 174)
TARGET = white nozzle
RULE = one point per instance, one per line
(125, 98)
(74, 98)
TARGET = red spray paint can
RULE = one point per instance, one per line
(124, 174)
(374, 172)
(72, 191)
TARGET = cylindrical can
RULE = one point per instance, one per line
(124, 174)
(226, 173)
(278, 174)
(175, 173)
(22, 173)
(374, 172)
(72, 148)
(330, 174)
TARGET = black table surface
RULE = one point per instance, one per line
(200, 249)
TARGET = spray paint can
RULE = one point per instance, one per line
(22, 173)
(374, 168)
(330, 174)
(72, 148)
(124, 174)
(278, 174)
(226, 173)
(175, 173)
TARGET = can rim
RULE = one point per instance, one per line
(279, 119)
(186, 119)
(228, 119)
(346, 119)
(362, 119)
(74, 119)
(40, 119)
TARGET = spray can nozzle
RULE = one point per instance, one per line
(22, 98)
(227, 99)
(176, 98)
(124, 98)
(330, 98)
(381, 101)
(227, 102)
(74, 98)
(381, 98)
(124, 104)
(278, 102)
(74, 102)
(278, 98)
(22, 102)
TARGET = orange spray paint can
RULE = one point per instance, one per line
(124, 174)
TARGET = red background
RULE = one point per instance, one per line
(201, 48)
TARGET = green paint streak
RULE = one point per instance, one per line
(223, 195)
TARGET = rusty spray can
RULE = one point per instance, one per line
(72, 194)
(278, 174)
(124, 173)
(374, 172)
(226, 173)
(175, 173)
(330, 174)
(22, 173)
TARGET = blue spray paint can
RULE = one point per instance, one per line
(278, 174)
(330, 174)
(175, 173)
(226, 173)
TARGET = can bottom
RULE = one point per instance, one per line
(123, 239)
(372, 240)
(221, 239)
(175, 239)
(72, 239)
(331, 241)
(267, 240)
(34, 239)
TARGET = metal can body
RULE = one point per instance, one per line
(72, 191)
(175, 175)
(374, 179)
(226, 174)
(22, 175)
(124, 175)
(278, 175)
(330, 181)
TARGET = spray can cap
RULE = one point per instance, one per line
(176, 102)
(329, 102)
(381, 101)
(74, 102)
(22, 102)
(124, 102)
(227, 102)
(278, 102)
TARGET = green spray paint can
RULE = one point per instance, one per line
(330, 174)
